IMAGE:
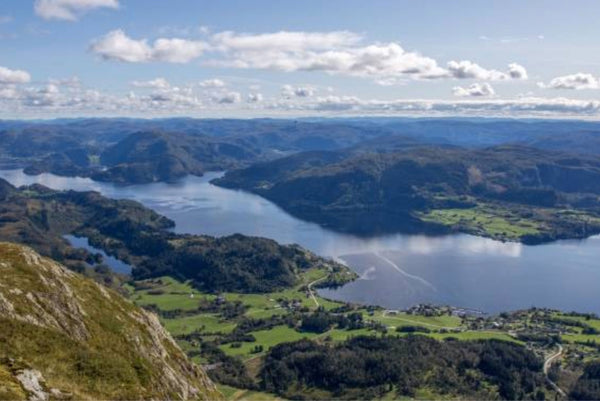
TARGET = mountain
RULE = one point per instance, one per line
(67, 337)
(161, 156)
(140, 151)
(582, 142)
(364, 191)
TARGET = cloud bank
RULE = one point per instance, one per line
(337, 52)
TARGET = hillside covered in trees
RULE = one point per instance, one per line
(505, 192)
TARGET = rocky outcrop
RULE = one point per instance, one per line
(64, 336)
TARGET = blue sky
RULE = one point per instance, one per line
(277, 58)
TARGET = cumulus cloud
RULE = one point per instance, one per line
(255, 97)
(517, 71)
(284, 41)
(466, 69)
(378, 60)
(69, 10)
(55, 99)
(337, 52)
(298, 91)
(530, 106)
(116, 45)
(228, 98)
(157, 83)
(8, 76)
(475, 89)
(212, 83)
(574, 81)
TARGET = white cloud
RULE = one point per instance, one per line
(177, 50)
(255, 97)
(8, 92)
(517, 71)
(337, 52)
(212, 83)
(466, 69)
(157, 83)
(476, 89)
(378, 60)
(228, 98)
(284, 41)
(574, 81)
(72, 82)
(55, 99)
(116, 45)
(8, 76)
(298, 91)
(531, 106)
(5, 19)
(70, 10)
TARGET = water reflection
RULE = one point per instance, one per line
(396, 270)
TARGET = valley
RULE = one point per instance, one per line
(252, 310)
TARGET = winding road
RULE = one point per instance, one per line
(547, 364)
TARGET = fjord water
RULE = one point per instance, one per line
(396, 271)
(110, 261)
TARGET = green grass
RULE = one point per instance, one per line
(487, 220)
(173, 294)
(595, 323)
(403, 319)
(580, 338)
(268, 339)
(475, 335)
(209, 323)
(235, 394)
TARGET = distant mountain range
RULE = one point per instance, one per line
(362, 176)
(138, 151)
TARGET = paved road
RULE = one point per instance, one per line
(547, 364)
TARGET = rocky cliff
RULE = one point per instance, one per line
(63, 336)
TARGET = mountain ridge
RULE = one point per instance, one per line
(67, 337)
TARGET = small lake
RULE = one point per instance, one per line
(110, 261)
(396, 271)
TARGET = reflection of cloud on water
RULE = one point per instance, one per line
(419, 245)
(490, 247)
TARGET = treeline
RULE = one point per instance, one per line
(369, 367)
(134, 234)
(587, 386)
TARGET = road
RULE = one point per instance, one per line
(547, 364)
(311, 292)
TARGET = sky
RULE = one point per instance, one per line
(241, 58)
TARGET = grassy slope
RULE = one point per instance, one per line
(265, 305)
(85, 340)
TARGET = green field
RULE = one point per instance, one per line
(207, 323)
(235, 394)
(403, 319)
(486, 220)
(168, 294)
(266, 338)
(475, 335)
